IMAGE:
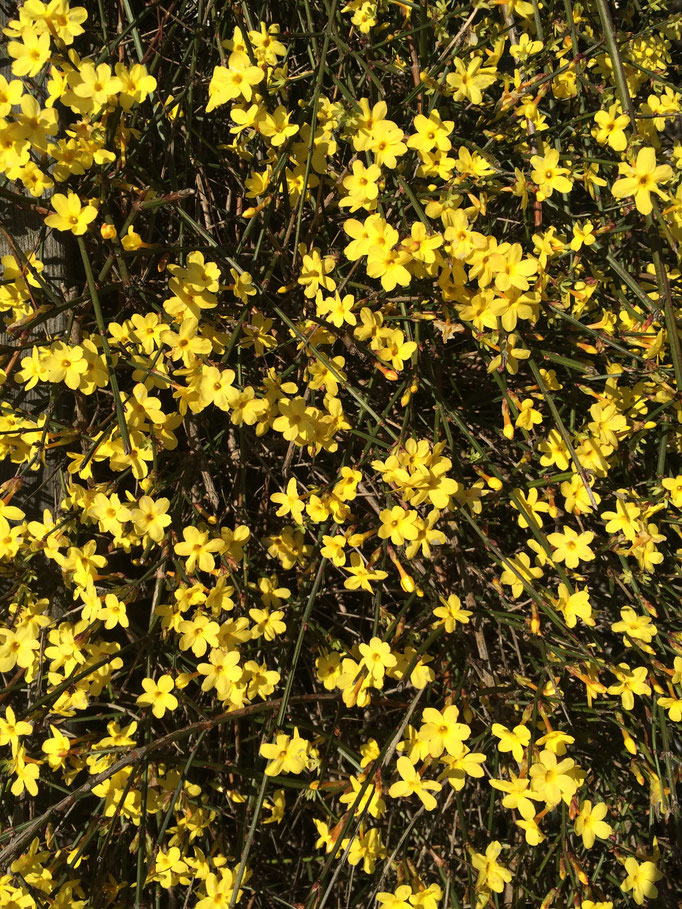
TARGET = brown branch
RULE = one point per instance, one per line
(134, 756)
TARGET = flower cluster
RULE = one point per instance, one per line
(339, 446)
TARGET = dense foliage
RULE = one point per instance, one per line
(340, 435)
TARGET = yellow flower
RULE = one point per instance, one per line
(30, 54)
(411, 783)
(590, 823)
(56, 748)
(219, 890)
(634, 627)
(533, 835)
(674, 487)
(114, 612)
(150, 517)
(221, 672)
(583, 235)
(233, 81)
(361, 186)
(431, 133)
(450, 613)
(532, 507)
(389, 266)
(276, 808)
(528, 416)
(518, 795)
(468, 82)
(398, 525)
(428, 898)
(606, 422)
(395, 349)
(420, 246)
(673, 706)
(276, 126)
(70, 214)
(574, 606)
(370, 801)
(610, 127)
(136, 84)
(442, 732)
(198, 634)
(525, 48)
(287, 754)
(19, 647)
(315, 272)
(337, 309)
(491, 875)
(517, 570)
(377, 658)
(548, 175)
(65, 364)
(11, 729)
(514, 740)
(398, 900)
(198, 550)
(268, 624)
(289, 502)
(511, 355)
(33, 369)
(630, 682)
(552, 779)
(641, 179)
(571, 547)
(27, 771)
(93, 86)
(640, 879)
(157, 695)
(512, 269)
(387, 144)
(10, 95)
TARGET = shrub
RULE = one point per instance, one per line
(339, 530)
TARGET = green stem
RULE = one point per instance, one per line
(313, 124)
(94, 296)
(284, 704)
(654, 238)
